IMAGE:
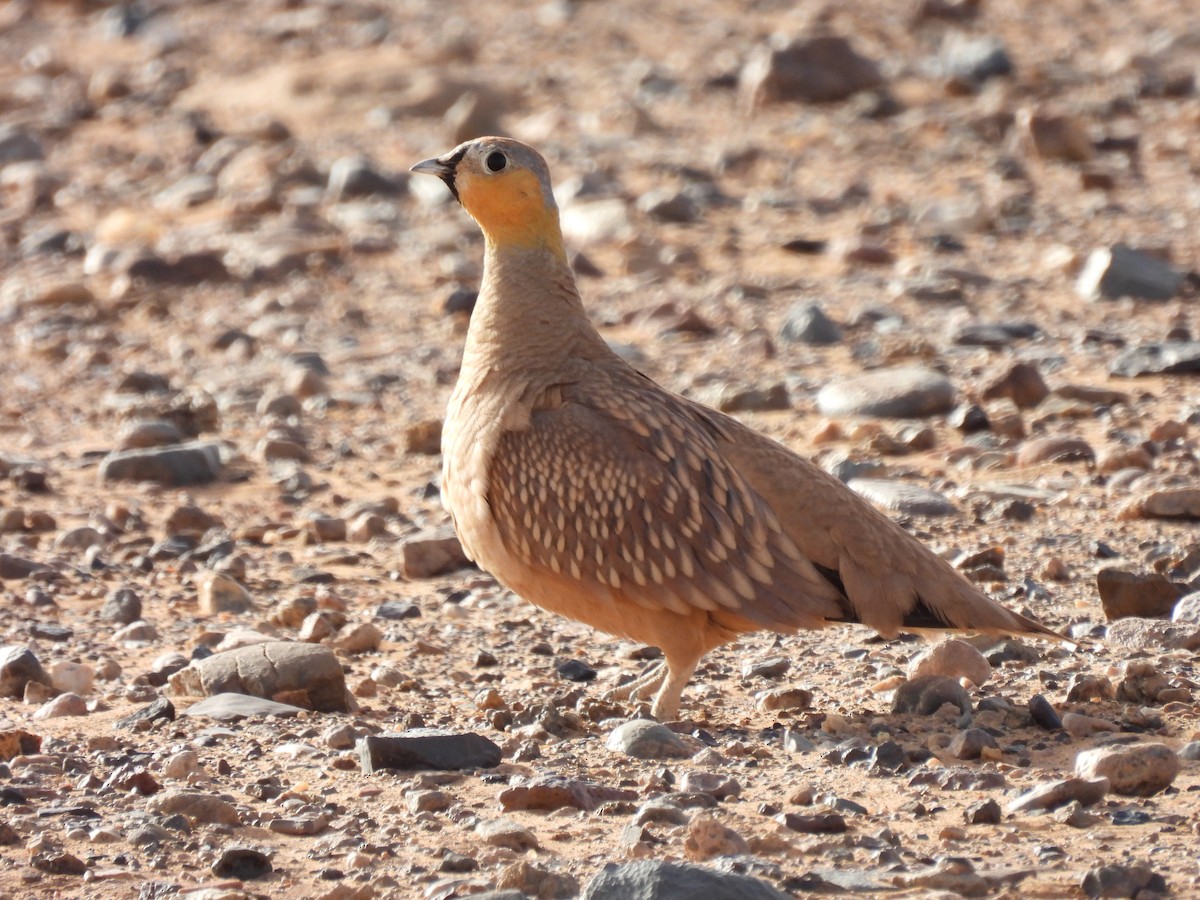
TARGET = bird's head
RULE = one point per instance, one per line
(505, 186)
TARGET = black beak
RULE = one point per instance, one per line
(443, 167)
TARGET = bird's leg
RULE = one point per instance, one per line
(666, 702)
(642, 686)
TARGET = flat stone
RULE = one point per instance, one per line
(643, 739)
(228, 707)
(507, 834)
(198, 462)
(1054, 794)
(1137, 594)
(904, 498)
(427, 748)
(900, 393)
(555, 792)
(162, 708)
(656, 880)
(1171, 358)
(1138, 770)
(304, 674)
(1121, 271)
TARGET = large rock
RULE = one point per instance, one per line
(198, 462)
(301, 674)
(654, 880)
(1145, 595)
(1138, 770)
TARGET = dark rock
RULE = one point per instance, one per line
(927, 694)
(198, 462)
(1122, 881)
(966, 58)
(655, 880)
(354, 176)
(1044, 715)
(1137, 594)
(821, 823)
(19, 666)
(242, 863)
(427, 748)
(397, 611)
(1022, 383)
(13, 567)
(575, 670)
(986, 812)
(161, 708)
(1059, 793)
(1121, 271)
(18, 146)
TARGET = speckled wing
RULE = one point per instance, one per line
(628, 496)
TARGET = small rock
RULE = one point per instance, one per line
(822, 69)
(144, 434)
(778, 699)
(427, 748)
(198, 462)
(1055, 449)
(902, 393)
(197, 807)
(1123, 881)
(986, 812)
(432, 553)
(161, 708)
(970, 744)
(1171, 358)
(71, 677)
(62, 705)
(242, 863)
(219, 593)
(363, 637)
(1136, 633)
(955, 659)
(229, 707)
(58, 862)
(900, 497)
(927, 694)
(1059, 793)
(1044, 715)
(19, 666)
(1080, 726)
(972, 60)
(1121, 271)
(706, 838)
(1021, 383)
(297, 672)
(643, 739)
(354, 176)
(765, 399)
(1162, 503)
(122, 606)
(507, 834)
(1050, 136)
(1139, 770)
(1133, 594)
(807, 323)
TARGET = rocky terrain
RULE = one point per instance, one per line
(947, 249)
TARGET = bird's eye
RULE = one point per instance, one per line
(496, 161)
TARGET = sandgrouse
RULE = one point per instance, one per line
(596, 494)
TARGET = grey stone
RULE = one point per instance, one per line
(1059, 793)
(19, 666)
(971, 743)
(1187, 609)
(228, 707)
(1121, 271)
(1122, 881)
(1136, 633)
(18, 146)
(972, 59)
(242, 863)
(927, 694)
(1044, 714)
(669, 206)
(354, 176)
(900, 393)
(427, 748)
(807, 323)
(1171, 358)
(909, 499)
(644, 739)
(654, 880)
(1140, 770)
(303, 673)
(1190, 752)
(197, 462)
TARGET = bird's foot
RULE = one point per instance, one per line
(641, 688)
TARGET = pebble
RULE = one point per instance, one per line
(807, 323)
(986, 812)
(507, 834)
(903, 498)
(1049, 136)
(19, 666)
(123, 606)
(660, 879)
(901, 393)
(303, 673)
(971, 744)
(181, 764)
(1146, 595)
(953, 658)
(1044, 714)
(427, 748)
(1054, 794)
(779, 699)
(1190, 752)
(707, 837)
(1120, 271)
(62, 705)
(1021, 383)
(526, 879)
(242, 863)
(644, 739)
(1162, 503)
(198, 807)
(355, 176)
(198, 462)
(1139, 770)
(432, 553)
(758, 399)
(926, 694)
(219, 593)
(146, 433)
(821, 69)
